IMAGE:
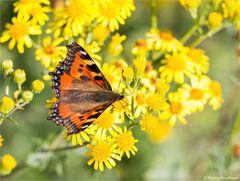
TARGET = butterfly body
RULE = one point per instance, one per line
(82, 91)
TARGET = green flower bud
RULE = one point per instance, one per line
(37, 86)
(27, 95)
(7, 104)
(7, 67)
(19, 76)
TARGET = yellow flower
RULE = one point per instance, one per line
(19, 76)
(126, 6)
(167, 43)
(115, 46)
(199, 60)
(196, 93)
(101, 32)
(125, 142)
(39, 15)
(164, 41)
(177, 109)
(215, 19)
(149, 78)
(103, 154)
(81, 136)
(190, 3)
(7, 67)
(8, 162)
(77, 14)
(175, 67)
(24, 7)
(112, 74)
(140, 48)
(19, 32)
(149, 123)
(7, 104)
(119, 106)
(231, 8)
(50, 53)
(1, 140)
(140, 102)
(156, 128)
(106, 122)
(37, 86)
(162, 87)
(162, 131)
(92, 49)
(156, 102)
(128, 74)
(110, 15)
(139, 65)
(214, 89)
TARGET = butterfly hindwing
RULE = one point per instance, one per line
(82, 91)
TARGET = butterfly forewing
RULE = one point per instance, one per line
(83, 92)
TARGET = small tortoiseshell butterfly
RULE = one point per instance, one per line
(82, 91)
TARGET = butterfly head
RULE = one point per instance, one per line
(119, 97)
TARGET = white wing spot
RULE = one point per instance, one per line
(83, 52)
(85, 126)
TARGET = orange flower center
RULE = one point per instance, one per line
(101, 152)
(153, 80)
(141, 43)
(19, 30)
(175, 107)
(196, 94)
(49, 49)
(125, 141)
(166, 36)
(140, 99)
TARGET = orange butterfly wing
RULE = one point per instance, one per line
(83, 92)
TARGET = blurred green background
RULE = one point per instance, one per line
(201, 148)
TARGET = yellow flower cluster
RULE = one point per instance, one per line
(31, 16)
(166, 81)
(74, 18)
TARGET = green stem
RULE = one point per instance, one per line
(154, 23)
(207, 34)
(57, 141)
(188, 34)
(133, 124)
(64, 148)
(132, 105)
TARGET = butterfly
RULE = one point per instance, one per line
(81, 90)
